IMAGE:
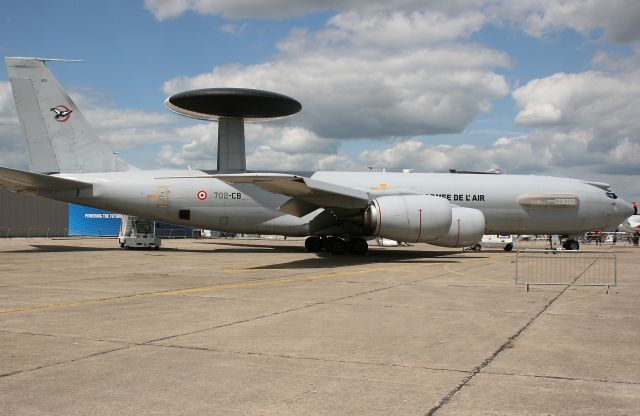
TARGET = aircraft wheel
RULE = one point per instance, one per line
(338, 245)
(571, 245)
(508, 247)
(121, 245)
(476, 247)
(313, 244)
(359, 246)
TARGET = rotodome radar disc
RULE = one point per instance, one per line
(248, 104)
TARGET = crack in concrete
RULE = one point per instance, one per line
(59, 336)
(586, 315)
(262, 316)
(293, 357)
(489, 359)
(565, 378)
(13, 373)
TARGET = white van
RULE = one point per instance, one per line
(502, 241)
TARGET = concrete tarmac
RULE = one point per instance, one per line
(259, 327)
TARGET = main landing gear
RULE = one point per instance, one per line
(336, 245)
(570, 244)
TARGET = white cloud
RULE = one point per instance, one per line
(270, 148)
(198, 150)
(291, 140)
(401, 29)
(510, 154)
(589, 98)
(614, 63)
(234, 30)
(7, 108)
(353, 86)
(599, 107)
(266, 158)
(123, 128)
(167, 9)
(540, 152)
(618, 20)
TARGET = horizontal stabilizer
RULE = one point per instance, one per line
(19, 180)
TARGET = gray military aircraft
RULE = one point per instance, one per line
(338, 211)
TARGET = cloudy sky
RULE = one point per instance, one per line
(531, 87)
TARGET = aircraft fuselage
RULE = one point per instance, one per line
(510, 203)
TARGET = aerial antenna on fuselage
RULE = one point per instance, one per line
(231, 107)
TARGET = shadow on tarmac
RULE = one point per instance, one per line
(57, 248)
(375, 256)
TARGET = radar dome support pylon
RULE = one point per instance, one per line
(231, 107)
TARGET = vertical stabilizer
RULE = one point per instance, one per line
(58, 137)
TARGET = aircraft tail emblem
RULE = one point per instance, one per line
(62, 113)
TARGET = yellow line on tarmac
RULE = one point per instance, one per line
(196, 290)
(78, 302)
(491, 261)
(266, 282)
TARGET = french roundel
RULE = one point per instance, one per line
(202, 195)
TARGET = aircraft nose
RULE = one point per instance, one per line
(623, 208)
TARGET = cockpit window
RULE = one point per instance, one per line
(612, 195)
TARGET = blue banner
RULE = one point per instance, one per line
(93, 222)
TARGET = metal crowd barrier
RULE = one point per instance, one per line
(566, 267)
(80, 232)
(29, 232)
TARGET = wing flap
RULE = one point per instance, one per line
(22, 181)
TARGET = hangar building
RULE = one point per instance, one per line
(31, 216)
(23, 215)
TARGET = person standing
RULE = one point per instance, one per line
(635, 207)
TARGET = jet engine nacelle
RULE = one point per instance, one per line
(467, 228)
(410, 218)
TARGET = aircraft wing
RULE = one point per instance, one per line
(306, 194)
(19, 180)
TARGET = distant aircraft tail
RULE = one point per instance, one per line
(58, 137)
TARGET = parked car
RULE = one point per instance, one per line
(502, 241)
